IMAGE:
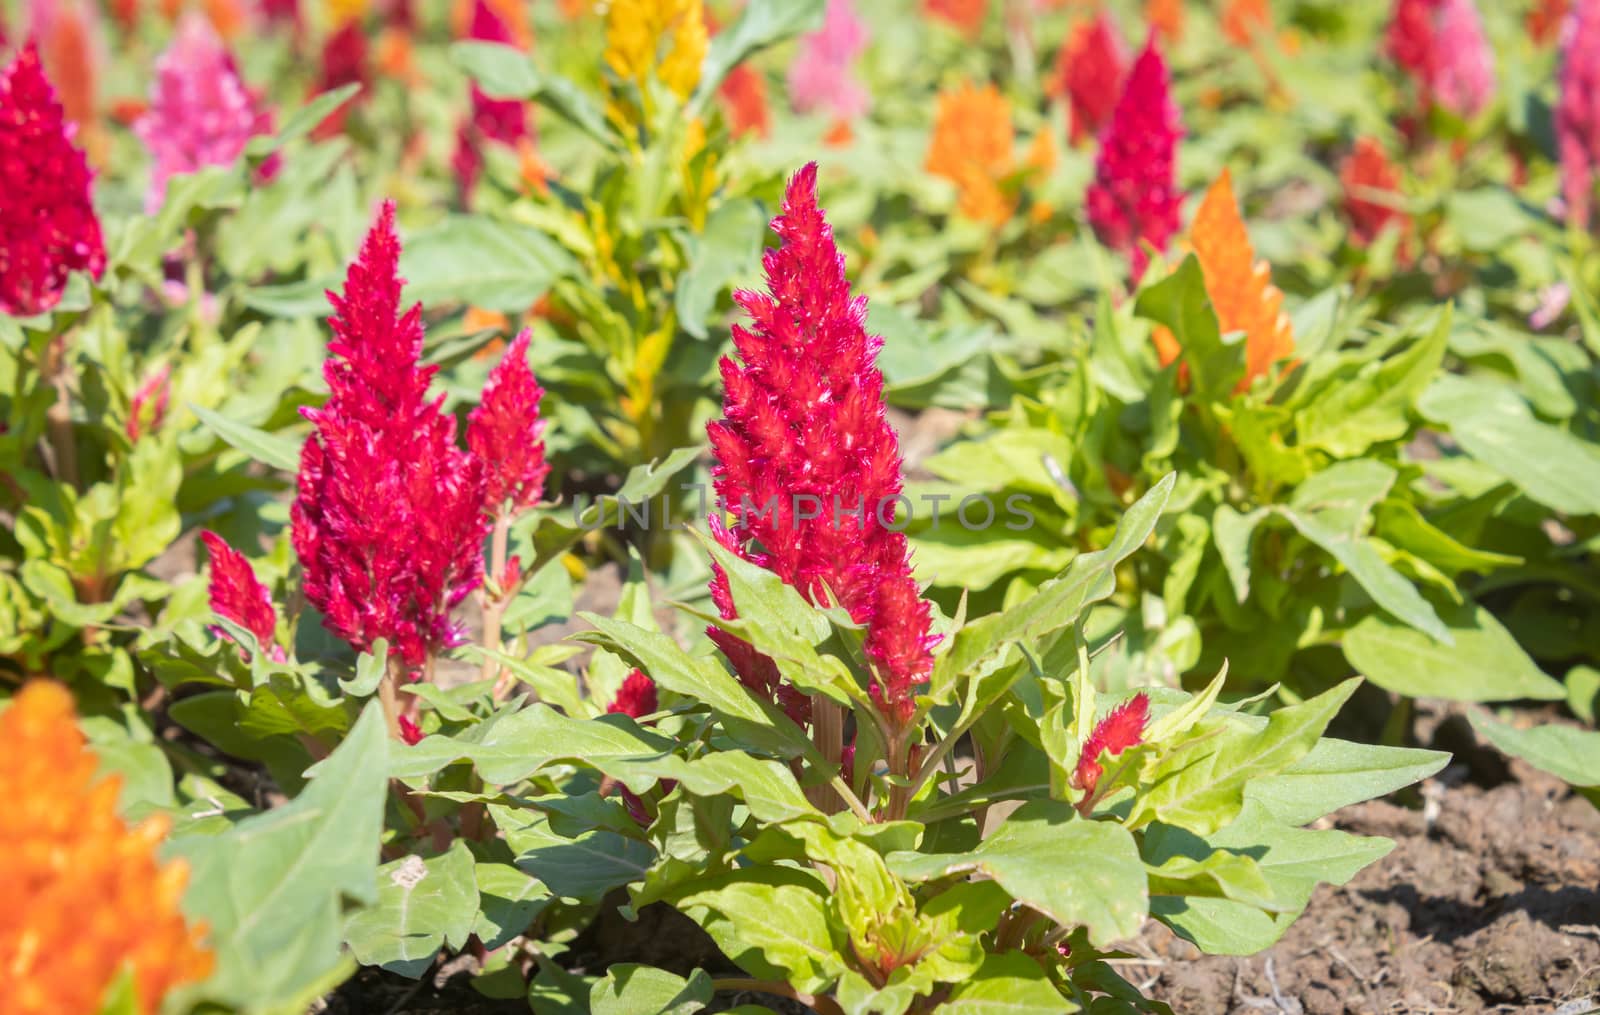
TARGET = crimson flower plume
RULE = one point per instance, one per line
(636, 697)
(1122, 728)
(1092, 67)
(1578, 110)
(236, 593)
(807, 464)
(506, 434)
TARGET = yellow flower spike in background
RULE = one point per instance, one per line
(973, 146)
(1240, 287)
(85, 900)
(342, 12)
(664, 36)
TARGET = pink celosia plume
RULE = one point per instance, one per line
(807, 464)
(388, 522)
(1122, 728)
(822, 77)
(236, 593)
(201, 114)
(1577, 117)
(48, 227)
(1134, 199)
(501, 120)
(1442, 46)
(506, 434)
(148, 406)
(1092, 67)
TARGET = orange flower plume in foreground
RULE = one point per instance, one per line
(1240, 287)
(85, 898)
(972, 147)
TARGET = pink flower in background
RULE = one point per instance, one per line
(48, 227)
(148, 406)
(201, 114)
(1578, 109)
(1134, 199)
(237, 594)
(388, 522)
(502, 120)
(1092, 67)
(1464, 74)
(804, 418)
(505, 434)
(822, 76)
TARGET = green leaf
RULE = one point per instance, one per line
(552, 535)
(516, 746)
(980, 646)
(1007, 984)
(305, 119)
(771, 921)
(422, 906)
(1352, 415)
(762, 23)
(1485, 663)
(507, 73)
(1337, 773)
(370, 669)
(1106, 892)
(1180, 302)
(273, 888)
(1564, 751)
(510, 899)
(1232, 533)
(728, 249)
(279, 452)
(630, 989)
(1201, 785)
(483, 262)
(584, 867)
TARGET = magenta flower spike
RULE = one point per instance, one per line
(822, 77)
(236, 593)
(1134, 199)
(1464, 73)
(506, 434)
(388, 522)
(1578, 109)
(804, 433)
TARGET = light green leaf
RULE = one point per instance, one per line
(728, 249)
(1180, 302)
(370, 669)
(510, 899)
(1337, 773)
(760, 24)
(484, 262)
(277, 451)
(1351, 416)
(1232, 533)
(422, 906)
(771, 921)
(1564, 751)
(1007, 984)
(630, 989)
(1484, 664)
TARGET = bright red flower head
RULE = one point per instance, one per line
(48, 227)
(806, 462)
(148, 406)
(410, 732)
(1367, 175)
(1092, 67)
(1134, 199)
(636, 697)
(1578, 110)
(389, 521)
(238, 595)
(503, 120)
(1442, 46)
(344, 62)
(506, 434)
(1122, 728)
(744, 99)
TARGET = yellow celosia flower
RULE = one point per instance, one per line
(342, 12)
(667, 37)
(85, 899)
(973, 147)
(1240, 287)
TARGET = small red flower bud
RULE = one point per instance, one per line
(410, 732)
(1122, 728)
(636, 697)
(237, 594)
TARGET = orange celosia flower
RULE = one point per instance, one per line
(1240, 287)
(1244, 20)
(1369, 178)
(85, 897)
(68, 34)
(229, 17)
(1166, 17)
(744, 100)
(972, 146)
(966, 15)
(839, 135)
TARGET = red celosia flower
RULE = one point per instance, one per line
(389, 521)
(1544, 21)
(966, 15)
(283, 12)
(1122, 728)
(1367, 175)
(48, 228)
(410, 732)
(807, 464)
(1409, 38)
(1134, 199)
(1092, 66)
(636, 697)
(502, 120)
(1441, 45)
(344, 62)
(238, 595)
(744, 100)
(505, 434)
(1578, 110)
(148, 407)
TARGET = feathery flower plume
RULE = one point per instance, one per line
(636, 697)
(1578, 110)
(743, 95)
(148, 406)
(966, 15)
(1122, 728)
(1544, 21)
(822, 76)
(48, 227)
(501, 120)
(1367, 176)
(1092, 67)
(238, 595)
(804, 431)
(1240, 287)
(388, 523)
(344, 62)
(973, 147)
(506, 434)
(200, 112)
(638, 30)
(1134, 199)
(1165, 17)
(68, 854)
(1441, 45)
